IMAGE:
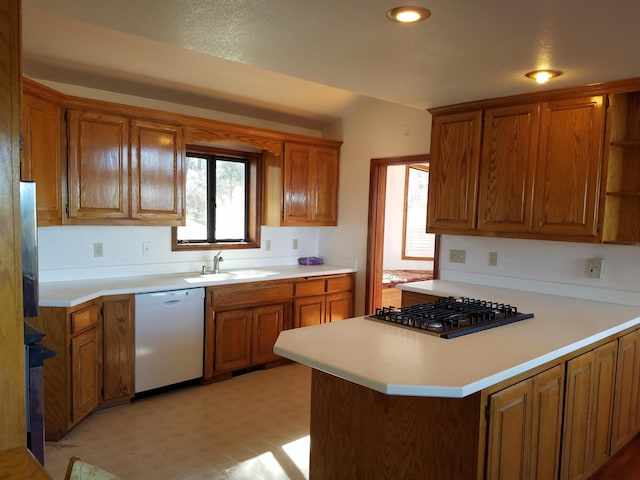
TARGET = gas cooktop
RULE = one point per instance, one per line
(452, 317)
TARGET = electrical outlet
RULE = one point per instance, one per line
(97, 249)
(267, 245)
(493, 259)
(457, 256)
(295, 243)
(146, 248)
(594, 267)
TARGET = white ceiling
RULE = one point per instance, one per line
(306, 61)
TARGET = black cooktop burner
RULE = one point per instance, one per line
(452, 317)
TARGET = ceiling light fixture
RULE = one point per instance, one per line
(543, 76)
(408, 14)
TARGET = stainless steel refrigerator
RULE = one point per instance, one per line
(34, 352)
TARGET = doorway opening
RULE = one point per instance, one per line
(380, 284)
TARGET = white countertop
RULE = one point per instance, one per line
(400, 361)
(71, 293)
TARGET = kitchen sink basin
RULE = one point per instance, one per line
(229, 275)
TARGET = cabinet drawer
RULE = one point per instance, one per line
(248, 295)
(340, 284)
(310, 287)
(84, 319)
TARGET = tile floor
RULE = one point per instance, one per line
(252, 427)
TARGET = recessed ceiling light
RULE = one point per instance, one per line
(408, 14)
(542, 76)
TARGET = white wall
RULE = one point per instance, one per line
(372, 129)
(556, 268)
(66, 253)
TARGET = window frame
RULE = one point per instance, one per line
(254, 203)
(404, 256)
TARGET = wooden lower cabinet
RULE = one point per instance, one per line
(626, 407)
(71, 378)
(524, 428)
(93, 366)
(589, 397)
(267, 323)
(323, 299)
(118, 349)
(245, 337)
(309, 311)
(84, 374)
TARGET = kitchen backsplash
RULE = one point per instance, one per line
(556, 268)
(67, 253)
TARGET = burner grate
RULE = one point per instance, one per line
(452, 317)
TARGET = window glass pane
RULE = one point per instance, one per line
(231, 198)
(418, 243)
(196, 201)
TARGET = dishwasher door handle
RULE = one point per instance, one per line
(171, 303)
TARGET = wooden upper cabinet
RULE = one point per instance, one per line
(42, 155)
(569, 167)
(453, 168)
(98, 166)
(157, 172)
(310, 185)
(507, 167)
(324, 185)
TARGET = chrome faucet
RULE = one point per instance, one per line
(216, 262)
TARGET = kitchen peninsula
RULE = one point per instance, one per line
(393, 402)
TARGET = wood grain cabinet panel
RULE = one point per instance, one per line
(509, 150)
(157, 172)
(309, 185)
(84, 374)
(626, 409)
(588, 406)
(309, 311)
(118, 349)
(323, 299)
(233, 340)
(569, 167)
(453, 168)
(42, 155)
(524, 428)
(72, 377)
(268, 322)
(98, 165)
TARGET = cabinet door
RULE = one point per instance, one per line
(569, 167)
(546, 424)
(98, 166)
(84, 374)
(339, 306)
(118, 349)
(507, 166)
(157, 168)
(308, 311)
(626, 402)
(297, 195)
(524, 428)
(324, 185)
(588, 405)
(268, 322)
(42, 156)
(455, 156)
(233, 340)
(509, 443)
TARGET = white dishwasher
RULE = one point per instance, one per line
(169, 337)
